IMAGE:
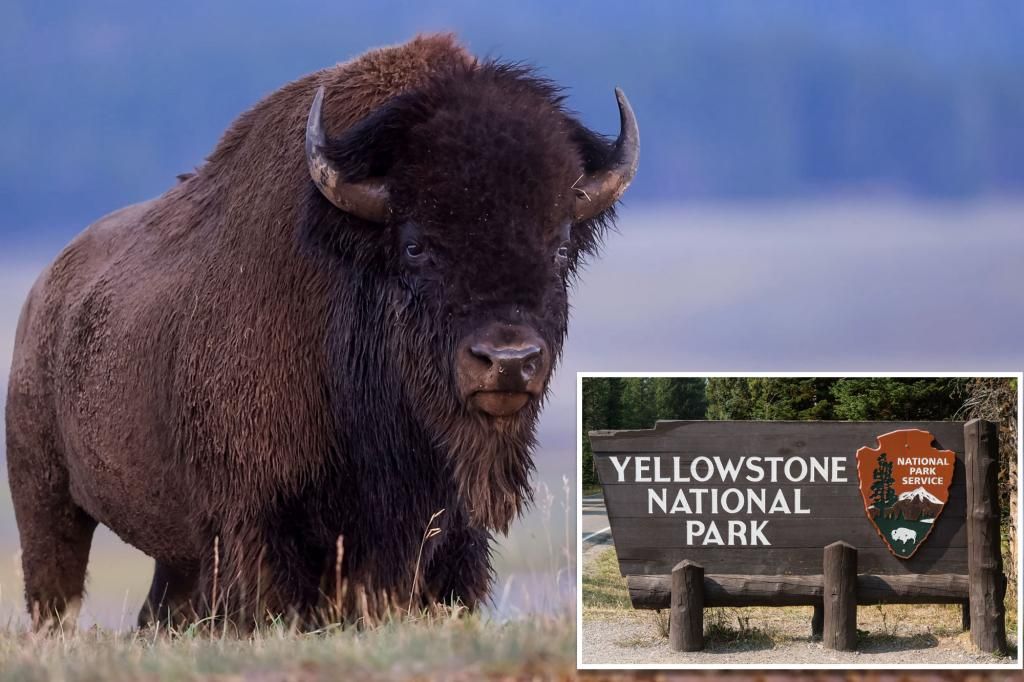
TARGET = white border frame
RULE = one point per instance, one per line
(581, 665)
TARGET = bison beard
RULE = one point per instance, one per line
(255, 383)
(492, 469)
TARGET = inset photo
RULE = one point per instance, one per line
(799, 521)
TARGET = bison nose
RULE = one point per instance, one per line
(519, 361)
(501, 367)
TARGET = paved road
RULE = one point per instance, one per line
(594, 527)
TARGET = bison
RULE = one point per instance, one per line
(271, 377)
(904, 535)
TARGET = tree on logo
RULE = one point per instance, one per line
(883, 495)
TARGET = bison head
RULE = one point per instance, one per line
(486, 194)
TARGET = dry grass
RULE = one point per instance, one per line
(444, 643)
(433, 647)
(529, 632)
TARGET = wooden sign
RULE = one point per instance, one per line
(760, 497)
(905, 486)
(749, 513)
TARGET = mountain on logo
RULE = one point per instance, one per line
(920, 494)
(915, 505)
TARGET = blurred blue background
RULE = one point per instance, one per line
(823, 185)
(105, 102)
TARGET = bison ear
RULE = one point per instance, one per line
(608, 167)
(595, 149)
(370, 148)
(350, 170)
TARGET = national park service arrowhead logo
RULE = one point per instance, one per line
(905, 484)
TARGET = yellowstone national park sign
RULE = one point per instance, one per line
(827, 514)
(905, 486)
(765, 497)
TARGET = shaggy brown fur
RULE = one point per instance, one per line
(239, 370)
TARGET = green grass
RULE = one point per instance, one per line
(603, 587)
(439, 647)
(591, 489)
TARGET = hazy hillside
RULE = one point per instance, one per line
(103, 103)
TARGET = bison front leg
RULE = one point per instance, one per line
(56, 533)
(170, 595)
(258, 575)
(460, 571)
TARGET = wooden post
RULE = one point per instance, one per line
(686, 616)
(840, 598)
(984, 561)
(965, 615)
(817, 621)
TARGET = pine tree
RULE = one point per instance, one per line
(639, 409)
(898, 398)
(613, 416)
(680, 398)
(596, 397)
(902, 399)
(883, 494)
(769, 398)
(728, 398)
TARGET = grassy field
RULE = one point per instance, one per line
(527, 631)
(450, 647)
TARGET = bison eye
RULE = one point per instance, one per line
(562, 254)
(414, 250)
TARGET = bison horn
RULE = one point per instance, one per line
(367, 199)
(599, 190)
